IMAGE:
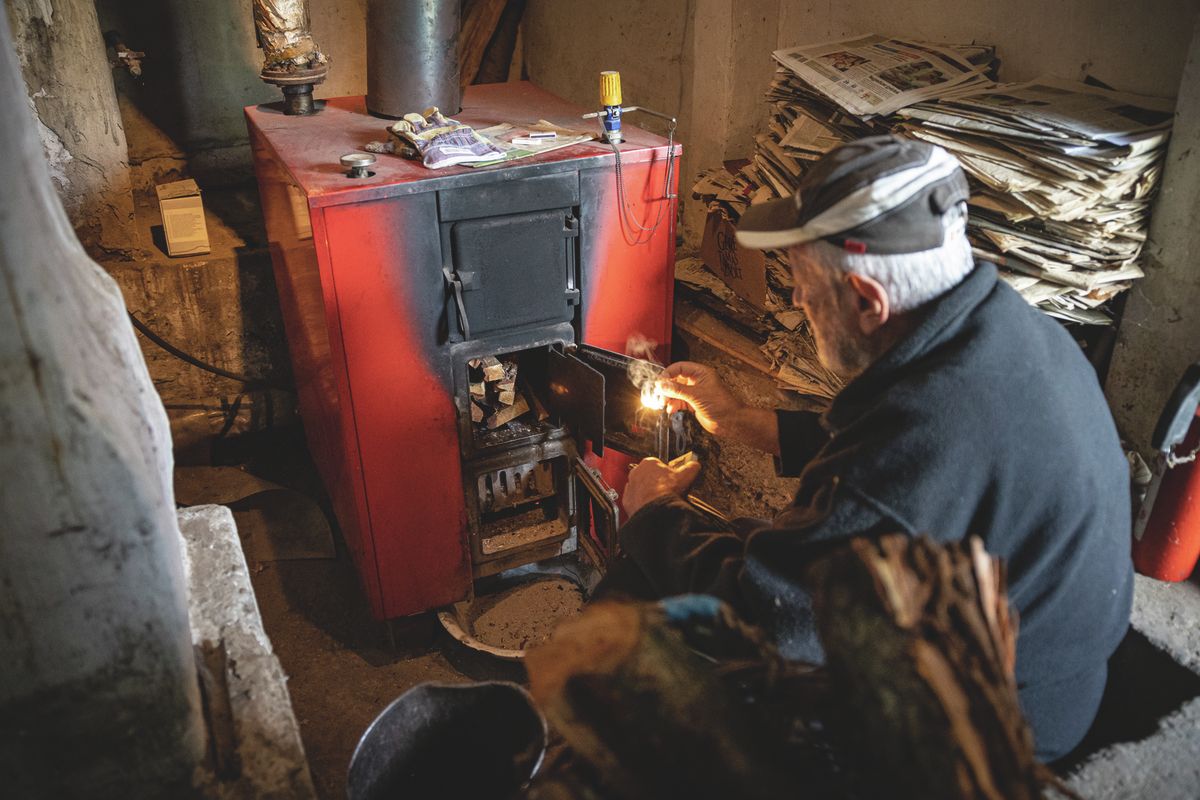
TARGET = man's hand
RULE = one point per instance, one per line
(689, 386)
(652, 479)
(696, 387)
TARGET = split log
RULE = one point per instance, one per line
(921, 647)
(479, 390)
(538, 408)
(507, 398)
(477, 412)
(493, 370)
(507, 414)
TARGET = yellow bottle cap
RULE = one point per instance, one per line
(610, 88)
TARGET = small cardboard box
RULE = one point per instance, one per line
(183, 218)
(745, 270)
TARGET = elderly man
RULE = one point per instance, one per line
(965, 412)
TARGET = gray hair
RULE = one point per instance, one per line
(911, 279)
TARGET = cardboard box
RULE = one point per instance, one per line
(183, 218)
(745, 270)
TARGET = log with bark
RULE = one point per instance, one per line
(918, 694)
(629, 695)
(920, 649)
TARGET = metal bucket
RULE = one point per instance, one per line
(462, 619)
(478, 740)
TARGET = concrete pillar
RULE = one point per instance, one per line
(98, 693)
(69, 84)
(1160, 333)
(724, 105)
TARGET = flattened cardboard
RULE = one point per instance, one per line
(745, 270)
(183, 218)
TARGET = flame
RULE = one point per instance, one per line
(652, 396)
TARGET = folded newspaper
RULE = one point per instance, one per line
(513, 143)
(1062, 173)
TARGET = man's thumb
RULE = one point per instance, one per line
(688, 472)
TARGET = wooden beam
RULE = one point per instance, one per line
(707, 328)
(479, 24)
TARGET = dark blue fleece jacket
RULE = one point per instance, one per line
(986, 420)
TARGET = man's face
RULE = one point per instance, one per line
(830, 305)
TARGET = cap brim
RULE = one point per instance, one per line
(773, 225)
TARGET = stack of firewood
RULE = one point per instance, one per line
(495, 398)
(917, 698)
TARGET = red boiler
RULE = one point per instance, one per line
(400, 289)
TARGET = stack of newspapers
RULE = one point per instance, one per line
(1062, 173)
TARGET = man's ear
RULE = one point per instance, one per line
(873, 306)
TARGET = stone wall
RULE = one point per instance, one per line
(69, 85)
(98, 693)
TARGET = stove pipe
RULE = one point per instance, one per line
(412, 56)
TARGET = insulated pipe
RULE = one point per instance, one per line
(291, 59)
(412, 56)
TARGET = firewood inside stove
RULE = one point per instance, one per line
(508, 413)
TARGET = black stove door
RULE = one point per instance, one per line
(513, 271)
(629, 426)
(575, 393)
(599, 394)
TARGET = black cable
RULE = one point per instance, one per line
(251, 383)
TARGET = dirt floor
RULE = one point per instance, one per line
(344, 667)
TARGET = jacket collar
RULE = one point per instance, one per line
(942, 318)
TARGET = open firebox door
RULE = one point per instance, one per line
(605, 398)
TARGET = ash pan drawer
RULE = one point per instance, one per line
(558, 190)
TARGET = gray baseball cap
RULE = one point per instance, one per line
(882, 194)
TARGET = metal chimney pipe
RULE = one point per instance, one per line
(412, 56)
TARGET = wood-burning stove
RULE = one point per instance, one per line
(395, 288)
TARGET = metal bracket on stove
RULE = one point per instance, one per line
(598, 512)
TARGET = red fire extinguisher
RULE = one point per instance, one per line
(1166, 532)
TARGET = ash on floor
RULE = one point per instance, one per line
(526, 614)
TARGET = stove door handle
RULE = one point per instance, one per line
(455, 286)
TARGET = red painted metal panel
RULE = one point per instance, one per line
(309, 309)
(630, 271)
(403, 408)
